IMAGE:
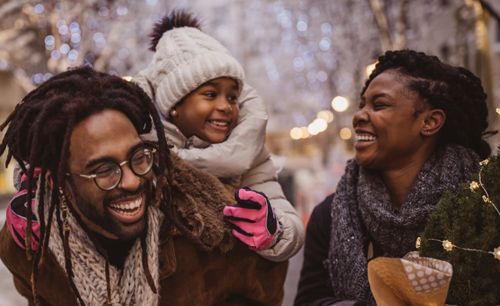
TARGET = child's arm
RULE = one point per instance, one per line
(263, 178)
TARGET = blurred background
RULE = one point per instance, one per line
(308, 59)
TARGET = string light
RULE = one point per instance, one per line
(447, 245)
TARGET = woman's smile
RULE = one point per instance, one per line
(364, 139)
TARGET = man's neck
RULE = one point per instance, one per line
(117, 250)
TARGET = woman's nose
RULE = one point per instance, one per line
(360, 116)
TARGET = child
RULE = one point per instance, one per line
(217, 123)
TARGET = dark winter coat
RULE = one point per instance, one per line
(230, 274)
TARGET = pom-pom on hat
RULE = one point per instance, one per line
(186, 58)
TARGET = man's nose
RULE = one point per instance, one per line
(129, 181)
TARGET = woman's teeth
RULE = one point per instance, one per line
(128, 208)
(219, 123)
(365, 138)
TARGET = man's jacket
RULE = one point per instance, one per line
(230, 274)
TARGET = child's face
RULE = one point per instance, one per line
(209, 112)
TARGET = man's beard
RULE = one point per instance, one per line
(106, 220)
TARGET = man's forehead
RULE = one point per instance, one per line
(107, 133)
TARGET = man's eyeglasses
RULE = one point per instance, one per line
(108, 175)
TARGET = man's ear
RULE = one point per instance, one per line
(48, 178)
(433, 122)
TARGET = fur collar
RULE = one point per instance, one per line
(199, 202)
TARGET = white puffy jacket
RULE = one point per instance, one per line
(242, 161)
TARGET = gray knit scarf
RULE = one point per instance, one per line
(362, 213)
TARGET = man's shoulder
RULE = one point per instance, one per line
(199, 199)
(53, 284)
(13, 255)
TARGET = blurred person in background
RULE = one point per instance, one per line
(217, 123)
(419, 132)
(108, 223)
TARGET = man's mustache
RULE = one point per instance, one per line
(125, 194)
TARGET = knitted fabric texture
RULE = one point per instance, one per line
(128, 287)
(186, 58)
(362, 213)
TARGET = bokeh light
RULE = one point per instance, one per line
(305, 132)
(326, 115)
(345, 133)
(340, 104)
(123, 53)
(296, 133)
(313, 129)
(64, 49)
(38, 8)
(369, 69)
(321, 124)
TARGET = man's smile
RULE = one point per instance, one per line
(130, 210)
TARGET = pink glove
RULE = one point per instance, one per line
(254, 219)
(17, 212)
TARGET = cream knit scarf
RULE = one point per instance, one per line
(128, 287)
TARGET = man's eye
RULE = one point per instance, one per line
(139, 159)
(104, 170)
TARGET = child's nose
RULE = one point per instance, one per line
(224, 105)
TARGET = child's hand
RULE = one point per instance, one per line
(254, 219)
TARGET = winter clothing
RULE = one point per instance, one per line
(254, 219)
(17, 212)
(240, 161)
(362, 214)
(184, 275)
(185, 59)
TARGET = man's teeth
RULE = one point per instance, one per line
(128, 209)
(219, 123)
(365, 138)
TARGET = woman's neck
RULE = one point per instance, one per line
(399, 181)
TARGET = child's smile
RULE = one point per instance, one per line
(209, 112)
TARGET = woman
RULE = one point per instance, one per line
(419, 132)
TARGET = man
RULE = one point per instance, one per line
(119, 221)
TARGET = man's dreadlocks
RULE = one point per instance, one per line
(455, 90)
(39, 136)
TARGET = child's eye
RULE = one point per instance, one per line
(233, 99)
(210, 94)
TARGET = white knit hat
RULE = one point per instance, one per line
(186, 58)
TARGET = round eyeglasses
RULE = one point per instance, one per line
(108, 175)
